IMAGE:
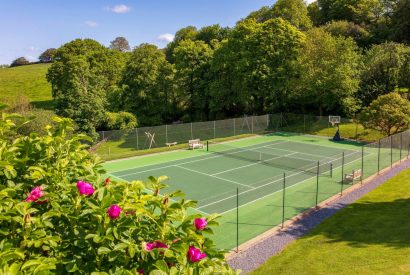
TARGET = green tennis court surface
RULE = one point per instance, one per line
(250, 173)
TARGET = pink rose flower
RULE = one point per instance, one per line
(195, 255)
(85, 188)
(114, 211)
(156, 244)
(107, 181)
(35, 194)
(200, 223)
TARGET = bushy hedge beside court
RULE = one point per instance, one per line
(58, 214)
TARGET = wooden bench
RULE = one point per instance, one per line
(356, 174)
(169, 144)
(195, 143)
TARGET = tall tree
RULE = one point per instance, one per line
(80, 77)
(147, 86)
(385, 69)
(294, 11)
(401, 21)
(192, 61)
(120, 44)
(19, 62)
(47, 55)
(349, 29)
(329, 73)
(187, 33)
(254, 68)
(208, 34)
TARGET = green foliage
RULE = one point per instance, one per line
(19, 62)
(80, 77)
(55, 228)
(349, 29)
(192, 61)
(329, 73)
(294, 11)
(147, 86)
(47, 55)
(120, 121)
(38, 122)
(386, 67)
(401, 21)
(254, 67)
(389, 114)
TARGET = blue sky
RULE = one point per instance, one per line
(28, 27)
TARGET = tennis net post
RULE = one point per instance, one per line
(331, 170)
(207, 145)
(317, 183)
(343, 179)
(283, 199)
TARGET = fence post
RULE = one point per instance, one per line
(378, 159)
(252, 124)
(103, 134)
(214, 129)
(401, 143)
(361, 177)
(317, 183)
(237, 219)
(357, 129)
(343, 179)
(166, 133)
(283, 199)
(304, 124)
(234, 127)
(192, 135)
(136, 133)
(391, 151)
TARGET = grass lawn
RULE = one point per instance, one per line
(371, 236)
(29, 80)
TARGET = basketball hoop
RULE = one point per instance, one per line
(334, 120)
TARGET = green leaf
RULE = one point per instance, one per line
(162, 265)
(103, 250)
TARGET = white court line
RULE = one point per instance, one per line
(256, 163)
(281, 190)
(255, 188)
(231, 181)
(182, 163)
(315, 155)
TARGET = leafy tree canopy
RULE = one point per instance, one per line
(47, 55)
(121, 44)
(147, 85)
(329, 72)
(294, 11)
(349, 29)
(19, 62)
(389, 114)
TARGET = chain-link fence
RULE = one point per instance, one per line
(255, 211)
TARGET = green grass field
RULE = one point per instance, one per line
(370, 236)
(29, 80)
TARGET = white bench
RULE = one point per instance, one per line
(169, 144)
(195, 143)
(356, 174)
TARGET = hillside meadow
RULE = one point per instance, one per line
(26, 81)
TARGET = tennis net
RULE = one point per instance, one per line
(280, 161)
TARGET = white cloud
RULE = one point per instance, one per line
(119, 8)
(33, 49)
(91, 24)
(309, 1)
(166, 37)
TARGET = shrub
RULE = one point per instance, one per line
(59, 215)
(39, 119)
(120, 121)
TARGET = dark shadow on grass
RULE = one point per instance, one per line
(44, 104)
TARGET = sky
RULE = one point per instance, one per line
(29, 27)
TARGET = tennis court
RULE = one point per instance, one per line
(212, 173)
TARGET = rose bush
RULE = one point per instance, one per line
(59, 214)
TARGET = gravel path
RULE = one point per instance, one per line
(257, 254)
